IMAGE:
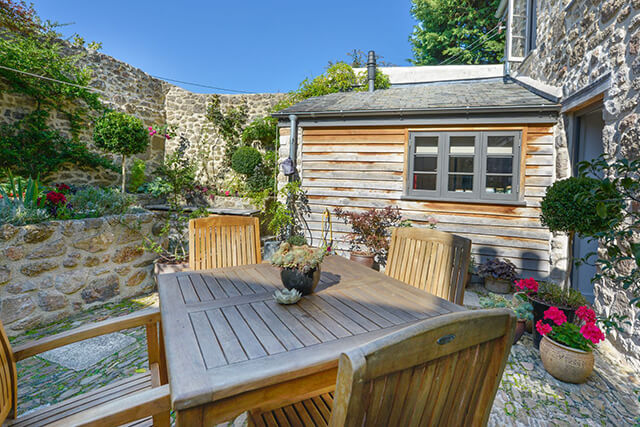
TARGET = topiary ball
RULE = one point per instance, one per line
(570, 206)
(120, 133)
(245, 160)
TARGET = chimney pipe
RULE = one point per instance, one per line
(371, 70)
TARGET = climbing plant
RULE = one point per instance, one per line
(28, 47)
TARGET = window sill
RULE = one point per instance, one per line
(407, 197)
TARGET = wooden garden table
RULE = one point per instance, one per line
(231, 348)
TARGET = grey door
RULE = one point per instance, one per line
(588, 146)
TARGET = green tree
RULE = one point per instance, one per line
(456, 32)
(120, 133)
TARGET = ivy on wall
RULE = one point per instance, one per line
(32, 46)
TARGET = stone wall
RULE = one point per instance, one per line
(156, 102)
(53, 269)
(578, 44)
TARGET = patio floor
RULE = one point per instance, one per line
(528, 396)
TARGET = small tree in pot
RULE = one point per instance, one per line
(498, 275)
(371, 230)
(120, 133)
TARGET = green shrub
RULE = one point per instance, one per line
(569, 206)
(159, 187)
(553, 294)
(18, 214)
(28, 147)
(138, 177)
(245, 160)
(96, 201)
(264, 130)
(120, 133)
(297, 240)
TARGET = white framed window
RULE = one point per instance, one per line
(521, 28)
(477, 166)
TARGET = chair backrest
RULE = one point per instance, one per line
(223, 241)
(8, 378)
(441, 371)
(431, 260)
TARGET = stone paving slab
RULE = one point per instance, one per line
(528, 395)
(85, 354)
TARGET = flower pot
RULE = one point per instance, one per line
(565, 363)
(168, 268)
(498, 286)
(364, 259)
(539, 307)
(521, 326)
(305, 283)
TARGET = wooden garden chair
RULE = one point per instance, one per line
(434, 261)
(223, 241)
(141, 399)
(441, 371)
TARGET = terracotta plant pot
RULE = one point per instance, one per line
(305, 283)
(497, 286)
(521, 326)
(364, 259)
(539, 307)
(565, 363)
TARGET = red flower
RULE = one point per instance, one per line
(529, 284)
(56, 198)
(62, 187)
(543, 328)
(556, 315)
(585, 314)
(591, 332)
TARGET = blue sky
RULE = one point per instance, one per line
(257, 46)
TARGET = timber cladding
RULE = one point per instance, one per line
(364, 167)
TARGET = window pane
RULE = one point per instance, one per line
(462, 144)
(500, 145)
(518, 28)
(499, 184)
(461, 183)
(426, 164)
(461, 164)
(426, 145)
(500, 164)
(424, 182)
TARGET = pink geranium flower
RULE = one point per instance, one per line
(556, 315)
(591, 332)
(543, 328)
(529, 284)
(586, 314)
(226, 193)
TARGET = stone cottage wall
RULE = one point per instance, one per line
(156, 102)
(576, 45)
(53, 269)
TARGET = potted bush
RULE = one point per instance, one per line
(371, 230)
(120, 133)
(520, 305)
(300, 266)
(566, 349)
(547, 294)
(498, 275)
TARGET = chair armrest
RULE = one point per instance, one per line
(144, 317)
(121, 411)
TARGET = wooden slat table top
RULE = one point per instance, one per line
(224, 333)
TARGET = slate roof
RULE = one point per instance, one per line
(490, 94)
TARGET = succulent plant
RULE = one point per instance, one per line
(519, 305)
(303, 258)
(287, 296)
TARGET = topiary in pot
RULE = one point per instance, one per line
(570, 206)
(120, 133)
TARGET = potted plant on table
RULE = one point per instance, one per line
(520, 305)
(371, 230)
(300, 266)
(545, 295)
(498, 275)
(566, 348)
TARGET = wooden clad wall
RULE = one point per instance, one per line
(364, 167)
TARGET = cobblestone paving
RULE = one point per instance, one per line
(528, 395)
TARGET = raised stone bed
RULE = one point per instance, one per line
(53, 269)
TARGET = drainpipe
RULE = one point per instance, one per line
(293, 144)
(371, 70)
